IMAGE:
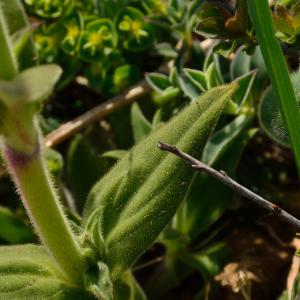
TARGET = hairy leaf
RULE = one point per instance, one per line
(270, 116)
(27, 272)
(139, 196)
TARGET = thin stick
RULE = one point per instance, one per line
(97, 113)
(238, 188)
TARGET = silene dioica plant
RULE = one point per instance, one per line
(125, 211)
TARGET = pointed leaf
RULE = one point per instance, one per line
(240, 64)
(140, 125)
(139, 196)
(159, 82)
(223, 138)
(197, 77)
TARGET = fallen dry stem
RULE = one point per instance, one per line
(238, 188)
(97, 113)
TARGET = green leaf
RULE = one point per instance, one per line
(27, 272)
(245, 85)
(13, 229)
(115, 154)
(83, 167)
(166, 50)
(125, 76)
(9, 66)
(260, 13)
(270, 116)
(209, 261)
(54, 161)
(159, 82)
(127, 288)
(225, 48)
(139, 196)
(223, 138)
(240, 65)
(20, 33)
(169, 94)
(140, 125)
(188, 87)
(197, 77)
(32, 85)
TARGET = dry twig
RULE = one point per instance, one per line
(238, 188)
(97, 113)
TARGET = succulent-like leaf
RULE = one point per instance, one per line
(27, 272)
(139, 196)
(240, 65)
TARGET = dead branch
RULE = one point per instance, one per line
(238, 188)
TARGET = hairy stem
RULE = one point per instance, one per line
(41, 202)
(260, 13)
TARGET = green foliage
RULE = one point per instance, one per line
(270, 116)
(27, 272)
(142, 188)
(106, 36)
(24, 94)
(209, 261)
(140, 125)
(13, 228)
(217, 21)
(278, 72)
(127, 287)
(83, 158)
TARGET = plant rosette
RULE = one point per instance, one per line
(135, 33)
(97, 40)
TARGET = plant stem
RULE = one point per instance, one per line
(9, 67)
(260, 14)
(46, 214)
(238, 188)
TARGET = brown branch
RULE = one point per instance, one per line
(97, 113)
(238, 188)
